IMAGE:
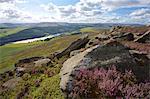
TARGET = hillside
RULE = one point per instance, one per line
(65, 65)
(36, 32)
(17, 32)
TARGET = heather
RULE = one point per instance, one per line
(107, 83)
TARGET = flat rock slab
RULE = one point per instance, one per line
(42, 62)
(69, 66)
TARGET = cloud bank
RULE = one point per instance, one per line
(82, 11)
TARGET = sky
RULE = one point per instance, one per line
(75, 11)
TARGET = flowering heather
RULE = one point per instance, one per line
(102, 83)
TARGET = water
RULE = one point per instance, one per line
(36, 39)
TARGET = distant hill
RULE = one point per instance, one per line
(47, 24)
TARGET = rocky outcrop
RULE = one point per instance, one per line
(42, 62)
(78, 44)
(102, 37)
(23, 62)
(124, 36)
(115, 28)
(113, 53)
(69, 66)
(7, 74)
(144, 38)
(98, 40)
(75, 52)
(27, 65)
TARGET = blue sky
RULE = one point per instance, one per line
(87, 11)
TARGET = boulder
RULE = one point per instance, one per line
(28, 64)
(75, 52)
(124, 36)
(143, 38)
(143, 63)
(102, 37)
(7, 74)
(113, 53)
(99, 39)
(12, 83)
(115, 28)
(92, 42)
(42, 62)
(26, 61)
(69, 66)
(78, 44)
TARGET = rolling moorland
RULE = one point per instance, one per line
(50, 69)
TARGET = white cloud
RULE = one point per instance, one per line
(9, 12)
(12, 1)
(115, 4)
(87, 9)
(140, 12)
(84, 10)
(141, 15)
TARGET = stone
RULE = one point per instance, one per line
(115, 28)
(75, 52)
(69, 66)
(143, 38)
(124, 36)
(42, 62)
(102, 37)
(12, 83)
(28, 64)
(78, 44)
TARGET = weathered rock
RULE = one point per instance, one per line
(7, 74)
(42, 62)
(78, 44)
(124, 36)
(99, 39)
(143, 38)
(102, 37)
(27, 65)
(23, 62)
(21, 70)
(143, 63)
(12, 83)
(115, 28)
(141, 58)
(107, 55)
(75, 52)
(69, 66)
(92, 42)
